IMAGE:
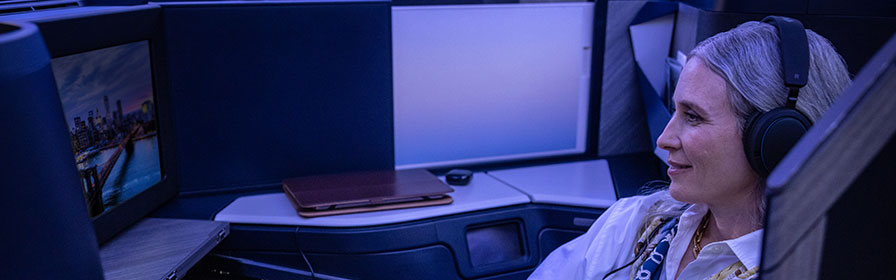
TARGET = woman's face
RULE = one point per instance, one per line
(706, 155)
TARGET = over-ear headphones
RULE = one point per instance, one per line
(769, 136)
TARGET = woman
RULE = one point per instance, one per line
(708, 223)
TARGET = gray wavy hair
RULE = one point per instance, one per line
(749, 60)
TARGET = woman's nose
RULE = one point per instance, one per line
(668, 140)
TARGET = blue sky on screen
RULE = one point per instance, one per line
(121, 72)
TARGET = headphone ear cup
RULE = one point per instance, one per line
(769, 136)
(750, 139)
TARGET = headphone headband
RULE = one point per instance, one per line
(794, 48)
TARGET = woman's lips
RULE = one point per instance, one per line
(677, 168)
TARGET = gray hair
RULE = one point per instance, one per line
(749, 60)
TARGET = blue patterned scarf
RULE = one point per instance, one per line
(653, 265)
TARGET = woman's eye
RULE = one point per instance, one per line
(691, 117)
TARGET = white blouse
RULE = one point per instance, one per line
(609, 244)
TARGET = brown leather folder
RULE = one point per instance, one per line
(344, 193)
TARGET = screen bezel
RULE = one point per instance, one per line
(90, 29)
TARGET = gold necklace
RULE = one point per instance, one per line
(699, 234)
